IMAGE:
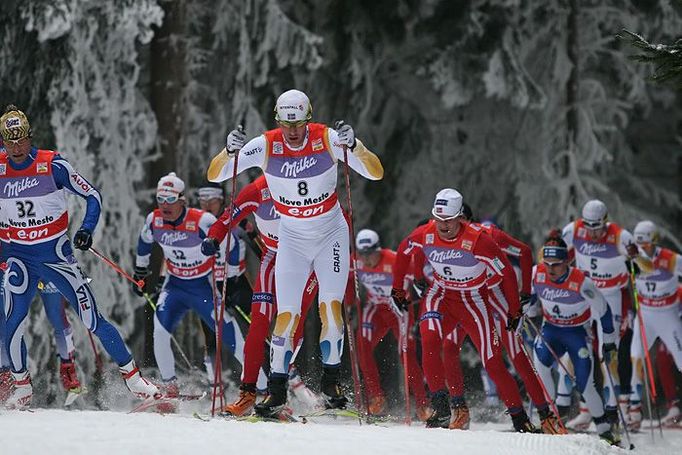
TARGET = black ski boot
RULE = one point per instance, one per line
(522, 423)
(331, 390)
(441, 410)
(276, 400)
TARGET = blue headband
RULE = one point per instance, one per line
(555, 252)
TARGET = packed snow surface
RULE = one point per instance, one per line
(105, 432)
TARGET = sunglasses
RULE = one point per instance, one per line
(552, 264)
(292, 124)
(15, 142)
(167, 199)
(593, 225)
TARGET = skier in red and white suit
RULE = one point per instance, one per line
(255, 198)
(299, 160)
(379, 316)
(510, 340)
(659, 303)
(601, 249)
(460, 255)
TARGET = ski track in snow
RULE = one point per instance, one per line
(105, 432)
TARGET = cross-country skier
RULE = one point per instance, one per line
(657, 289)
(570, 302)
(189, 283)
(460, 255)
(601, 249)
(34, 224)
(379, 316)
(299, 160)
(510, 340)
(256, 198)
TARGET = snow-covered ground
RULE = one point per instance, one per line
(50, 431)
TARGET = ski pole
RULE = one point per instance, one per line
(117, 268)
(645, 347)
(355, 368)
(404, 323)
(551, 351)
(219, 322)
(173, 339)
(620, 411)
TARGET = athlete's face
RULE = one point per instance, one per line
(294, 133)
(448, 229)
(371, 259)
(556, 269)
(596, 231)
(648, 247)
(171, 211)
(18, 150)
(213, 205)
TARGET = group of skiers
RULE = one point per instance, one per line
(450, 278)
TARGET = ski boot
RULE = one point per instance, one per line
(581, 422)
(635, 417)
(300, 391)
(138, 385)
(276, 401)
(549, 423)
(459, 420)
(673, 415)
(22, 394)
(69, 377)
(423, 412)
(377, 405)
(331, 390)
(440, 418)
(6, 385)
(245, 403)
(169, 389)
(606, 430)
(522, 423)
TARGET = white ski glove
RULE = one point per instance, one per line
(235, 140)
(346, 135)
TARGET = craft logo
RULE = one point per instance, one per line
(336, 252)
(317, 145)
(191, 225)
(277, 148)
(41, 168)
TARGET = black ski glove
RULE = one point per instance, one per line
(82, 240)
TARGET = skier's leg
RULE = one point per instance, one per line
(170, 309)
(54, 310)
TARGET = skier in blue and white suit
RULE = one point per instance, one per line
(34, 222)
(570, 301)
(189, 283)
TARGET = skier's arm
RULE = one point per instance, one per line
(251, 155)
(360, 159)
(247, 202)
(406, 250)
(144, 243)
(491, 255)
(515, 247)
(65, 176)
(600, 310)
(625, 240)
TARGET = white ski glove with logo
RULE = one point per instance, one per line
(235, 140)
(346, 135)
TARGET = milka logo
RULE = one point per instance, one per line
(443, 256)
(12, 189)
(292, 169)
(591, 248)
(172, 237)
(553, 294)
(372, 277)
